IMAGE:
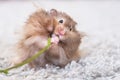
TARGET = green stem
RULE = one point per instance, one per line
(29, 59)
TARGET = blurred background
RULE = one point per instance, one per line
(94, 17)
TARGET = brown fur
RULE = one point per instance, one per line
(38, 28)
(36, 31)
(68, 47)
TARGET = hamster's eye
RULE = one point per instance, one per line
(60, 21)
(70, 29)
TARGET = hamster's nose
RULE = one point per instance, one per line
(61, 30)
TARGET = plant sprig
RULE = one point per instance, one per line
(29, 59)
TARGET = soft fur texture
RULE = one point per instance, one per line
(41, 25)
(68, 47)
(36, 31)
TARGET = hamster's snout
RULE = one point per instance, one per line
(60, 31)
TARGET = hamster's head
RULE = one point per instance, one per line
(63, 23)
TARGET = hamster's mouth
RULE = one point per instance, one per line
(59, 37)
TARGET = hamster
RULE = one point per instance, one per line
(65, 39)
(67, 47)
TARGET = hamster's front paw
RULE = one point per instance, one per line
(54, 39)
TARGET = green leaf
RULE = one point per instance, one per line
(29, 59)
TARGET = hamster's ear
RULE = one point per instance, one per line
(53, 12)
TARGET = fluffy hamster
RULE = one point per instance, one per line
(65, 39)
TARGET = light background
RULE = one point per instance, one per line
(99, 19)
